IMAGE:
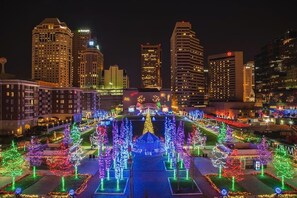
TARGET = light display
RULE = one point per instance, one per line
(60, 165)
(140, 99)
(283, 165)
(196, 139)
(75, 134)
(187, 162)
(101, 170)
(34, 155)
(222, 133)
(218, 159)
(233, 169)
(196, 114)
(155, 98)
(229, 137)
(12, 162)
(75, 152)
(180, 137)
(107, 161)
(148, 125)
(265, 155)
(67, 139)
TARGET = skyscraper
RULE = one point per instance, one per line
(52, 53)
(91, 65)
(151, 66)
(226, 77)
(187, 73)
(115, 78)
(275, 70)
(248, 82)
(80, 40)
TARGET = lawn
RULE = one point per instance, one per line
(272, 182)
(167, 165)
(72, 183)
(225, 183)
(86, 138)
(183, 186)
(211, 138)
(194, 152)
(23, 183)
(110, 186)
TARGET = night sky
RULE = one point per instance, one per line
(121, 26)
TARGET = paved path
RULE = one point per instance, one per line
(255, 186)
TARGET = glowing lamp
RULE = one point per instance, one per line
(278, 190)
(18, 191)
(229, 53)
(165, 109)
(224, 192)
(91, 43)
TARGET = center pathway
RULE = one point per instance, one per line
(150, 177)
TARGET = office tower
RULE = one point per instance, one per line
(151, 66)
(187, 72)
(226, 77)
(80, 41)
(276, 70)
(52, 53)
(248, 82)
(115, 78)
(91, 65)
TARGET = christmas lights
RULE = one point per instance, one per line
(12, 162)
(265, 155)
(148, 125)
(283, 165)
(218, 159)
(222, 133)
(34, 155)
(75, 134)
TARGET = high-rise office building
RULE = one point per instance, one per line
(248, 82)
(151, 66)
(115, 78)
(80, 41)
(275, 70)
(187, 72)
(91, 65)
(52, 53)
(226, 77)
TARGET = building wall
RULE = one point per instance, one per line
(91, 66)
(115, 78)
(80, 40)
(226, 76)
(151, 66)
(248, 82)
(52, 53)
(187, 72)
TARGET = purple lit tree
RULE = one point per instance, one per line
(107, 160)
(187, 162)
(229, 137)
(34, 155)
(101, 170)
(67, 138)
(265, 156)
(180, 139)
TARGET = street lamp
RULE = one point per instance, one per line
(291, 122)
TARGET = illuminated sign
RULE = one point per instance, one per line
(85, 31)
(257, 165)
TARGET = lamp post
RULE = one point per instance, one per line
(291, 122)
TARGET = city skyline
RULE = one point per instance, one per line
(120, 29)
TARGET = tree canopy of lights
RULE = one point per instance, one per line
(229, 137)
(34, 155)
(218, 159)
(67, 137)
(148, 125)
(283, 164)
(265, 156)
(75, 134)
(60, 164)
(75, 152)
(180, 137)
(12, 162)
(222, 133)
(232, 167)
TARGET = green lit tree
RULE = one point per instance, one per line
(222, 133)
(283, 165)
(75, 134)
(12, 162)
